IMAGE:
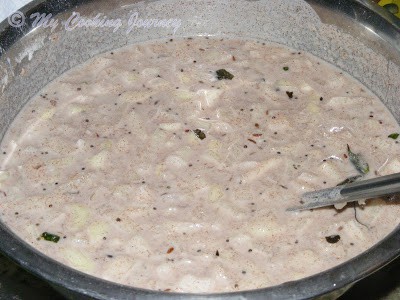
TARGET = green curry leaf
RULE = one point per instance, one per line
(358, 161)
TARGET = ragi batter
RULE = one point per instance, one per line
(169, 165)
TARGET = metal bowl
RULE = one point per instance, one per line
(355, 35)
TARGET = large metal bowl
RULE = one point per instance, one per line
(355, 35)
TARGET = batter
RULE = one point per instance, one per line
(169, 165)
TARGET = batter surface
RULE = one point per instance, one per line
(170, 165)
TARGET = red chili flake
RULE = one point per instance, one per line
(253, 141)
(187, 130)
(167, 290)
(170, 250)
(257, 125)
(345, 155)
(97, 135)
(257, 134)
(233, 58)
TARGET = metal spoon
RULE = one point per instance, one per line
(361, 190)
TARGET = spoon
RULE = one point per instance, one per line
(360, 190)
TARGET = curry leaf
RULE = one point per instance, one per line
(200, 134)
(358, 161)
(224, 74)
(394, 136)
(50, 237)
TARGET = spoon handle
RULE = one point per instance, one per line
(372, 188)
(361, 190)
